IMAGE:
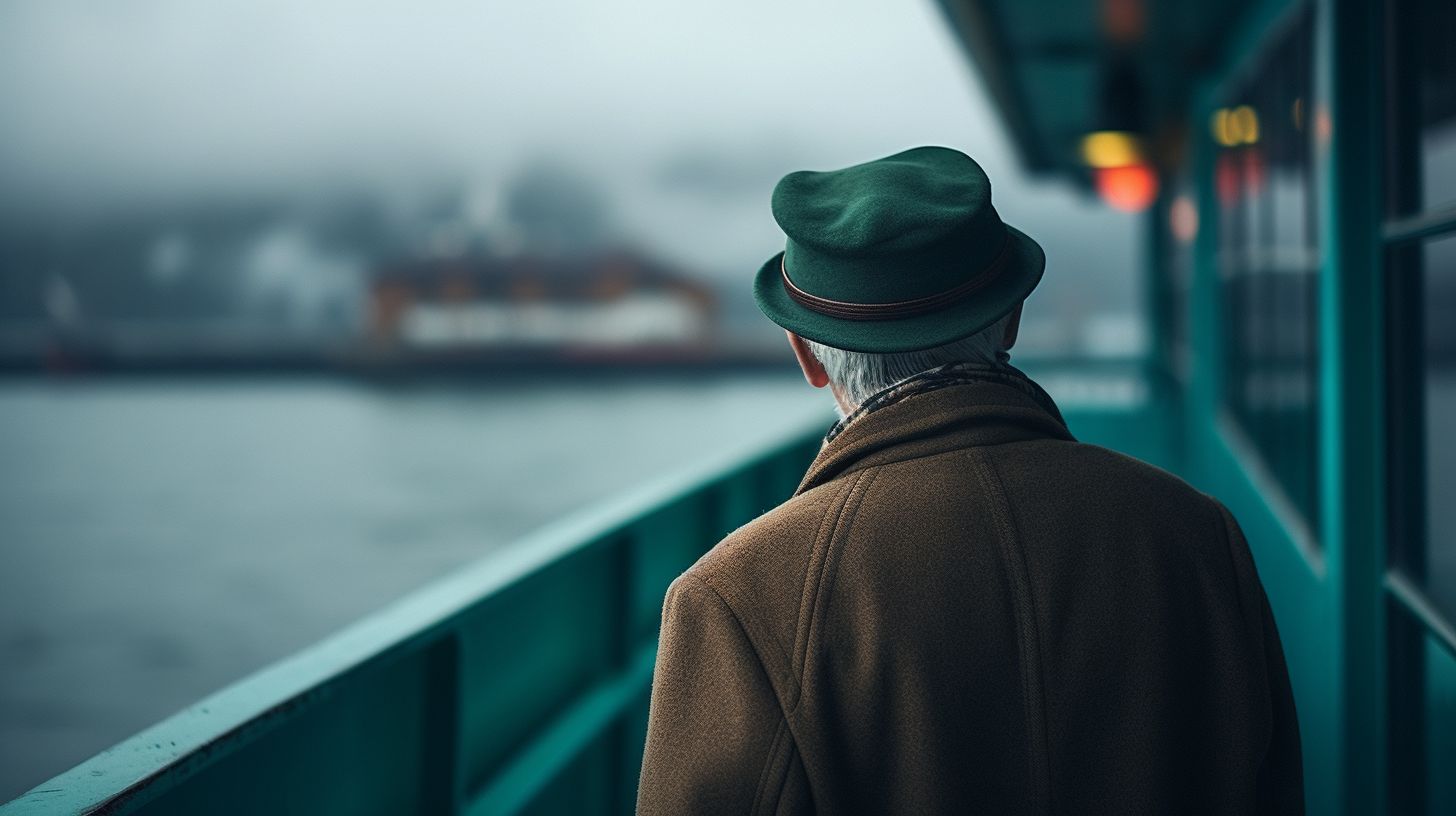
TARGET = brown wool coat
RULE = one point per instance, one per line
(963, 610)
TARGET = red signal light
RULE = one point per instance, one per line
(1130, 188)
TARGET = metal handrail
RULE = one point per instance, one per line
(426, 635)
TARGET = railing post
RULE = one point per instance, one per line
(1351, 375)
(440, 788)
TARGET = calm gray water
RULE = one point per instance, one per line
(162, 539)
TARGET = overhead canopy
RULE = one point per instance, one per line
(1060, 69)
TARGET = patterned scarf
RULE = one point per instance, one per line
(942, 377)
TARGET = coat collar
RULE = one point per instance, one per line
(941, 410)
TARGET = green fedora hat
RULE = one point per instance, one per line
(897, 254)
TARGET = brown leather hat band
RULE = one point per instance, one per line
(898, 309)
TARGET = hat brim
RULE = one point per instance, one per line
(959, 320)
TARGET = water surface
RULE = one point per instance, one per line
(160, 539)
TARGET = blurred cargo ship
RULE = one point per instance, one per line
(617, 306)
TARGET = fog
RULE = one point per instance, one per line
(114, 104)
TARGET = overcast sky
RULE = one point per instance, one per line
(116, 103)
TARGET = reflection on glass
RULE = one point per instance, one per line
(1439, 303)
(1424, 117)
(1269, 261)
(1438, 102)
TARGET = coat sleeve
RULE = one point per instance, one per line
(1281, 780)
(1281, 776)
(717, 740)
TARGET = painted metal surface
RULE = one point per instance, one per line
(1369, 747)
(1352, 442)
(1370, 657)
(1046, 64)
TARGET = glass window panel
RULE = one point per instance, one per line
(1436, 29)
(1438, 279)
(1270, 263)
(1422, 66)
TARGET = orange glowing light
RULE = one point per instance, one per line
(1131, 188)
(1111, 148)
(1218, 125)
(1234, 127)
(1244, 122)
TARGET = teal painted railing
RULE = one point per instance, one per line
(518, 685)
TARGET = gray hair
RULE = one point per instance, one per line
(856, 376)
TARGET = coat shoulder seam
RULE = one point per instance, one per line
(817, 554)
(782, 746)
(783, 731)
(1033, 684)
(853, 500)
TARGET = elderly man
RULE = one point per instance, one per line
(962, 609)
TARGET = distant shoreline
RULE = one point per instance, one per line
(514, 367)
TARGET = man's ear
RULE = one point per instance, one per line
(1012, 326)
(813, 369)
